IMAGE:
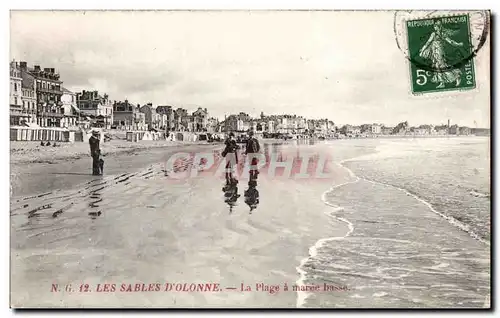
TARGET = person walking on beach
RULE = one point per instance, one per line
(95, 152)
(230, 152)
(252, 147)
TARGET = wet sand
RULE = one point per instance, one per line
(70, 168)
(142, 228)
(139, 226)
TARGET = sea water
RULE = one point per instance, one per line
(417, 218)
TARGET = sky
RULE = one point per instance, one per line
(345, 66)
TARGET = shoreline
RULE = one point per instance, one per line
(379, 137)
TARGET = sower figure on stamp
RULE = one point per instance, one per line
(231, 155)
(95, 152)
(434, 50)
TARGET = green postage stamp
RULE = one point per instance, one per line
(441, 54)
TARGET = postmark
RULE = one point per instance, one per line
(441, 48)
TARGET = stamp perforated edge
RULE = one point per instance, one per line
(439, 94)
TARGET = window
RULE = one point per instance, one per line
(15, 100)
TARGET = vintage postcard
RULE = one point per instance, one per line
(250, 159)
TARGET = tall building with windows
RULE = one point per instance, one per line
(152, 118)
(16, 114)
(48, 95)
(98, 108)
(169, 113)
(70, 110)
(28, 97)
(128, 116)
(200, 119)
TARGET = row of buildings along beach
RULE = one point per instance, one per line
(38, 98)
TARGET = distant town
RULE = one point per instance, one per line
(38, 99)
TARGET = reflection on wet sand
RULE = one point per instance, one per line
(252, 195)
(231, 195)
(95, 198)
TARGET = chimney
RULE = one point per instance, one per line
(37, 68)
(23, 65)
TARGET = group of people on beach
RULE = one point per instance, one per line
(230, 190)
(230, 151)
(48, 144)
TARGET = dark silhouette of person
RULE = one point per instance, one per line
(231, 195)
(252, 194)
(252, 147)
(231, 150)
(95, 152)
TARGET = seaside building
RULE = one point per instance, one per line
(163, 121)
(96, 108)
(237, 123)
(69, 108)
(420, 131)
(441, 130)
(212, 125)
(243, 122)
(376, 129)
(401, 128)
(168, 116)
(465, 131)
(28, 98)
(231, 123)
(181, 120)
(423, 130)
(456, 130)
(282, 126)
(127, 116)
(480, 131)
(151, 117)
(387, 130)
(324, 127)
(48, 94)
(16, 109)
(269, 127)
(200, 119)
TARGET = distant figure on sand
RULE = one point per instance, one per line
(95, 152)
(230, 152)
(252, 147)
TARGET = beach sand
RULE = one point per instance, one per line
(26, 152)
